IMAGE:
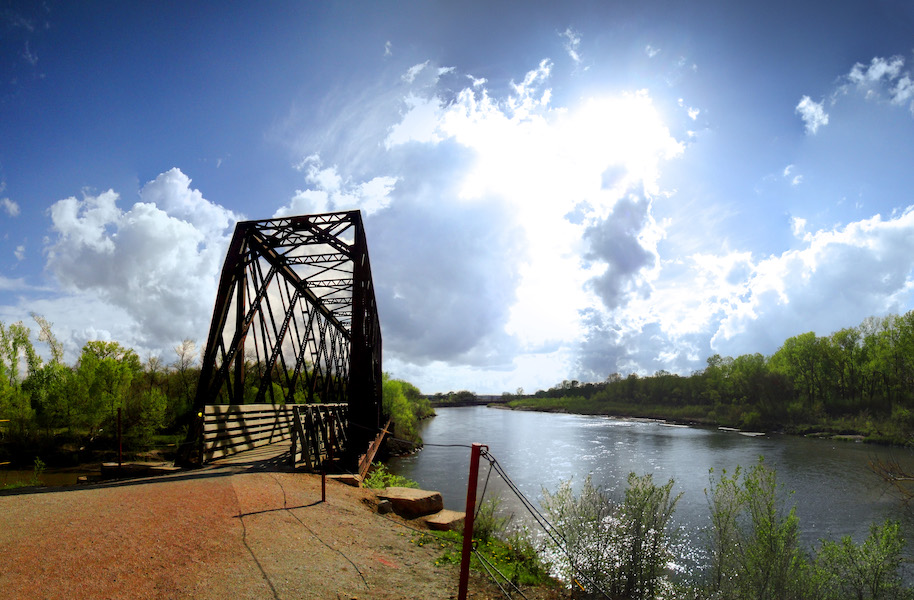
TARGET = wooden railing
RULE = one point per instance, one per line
(318, 433)
(232, 428)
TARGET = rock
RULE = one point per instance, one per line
(411, 503)
(348, 479)
(446, 520)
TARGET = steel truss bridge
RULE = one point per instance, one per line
(295, 321)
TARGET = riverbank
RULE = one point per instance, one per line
(841, 431)
(217, 533)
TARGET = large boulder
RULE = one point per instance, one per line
(446, 520)
(411, 503)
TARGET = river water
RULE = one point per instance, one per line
(835, 493)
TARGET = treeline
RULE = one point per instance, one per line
(857, 380)
(461, 398)
(64, 413)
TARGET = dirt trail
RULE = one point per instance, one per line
(215, 533)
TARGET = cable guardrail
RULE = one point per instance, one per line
(559, 540)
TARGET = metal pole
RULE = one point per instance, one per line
(475, 451)
(118, 438)
(323, 481)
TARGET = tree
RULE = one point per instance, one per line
(45, 334)
(14, 342)
(184, 364)
(103, 376)
(802, 359)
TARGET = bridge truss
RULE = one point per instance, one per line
(295, 321)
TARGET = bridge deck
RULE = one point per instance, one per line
(270, 455)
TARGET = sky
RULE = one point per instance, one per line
(550, 190)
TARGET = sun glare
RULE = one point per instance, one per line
(549, 164)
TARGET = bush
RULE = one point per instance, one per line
(617, 550)
(379, 478)
(754, 543)
(487, 523)
(871, 570)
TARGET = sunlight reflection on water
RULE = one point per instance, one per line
(835, 492)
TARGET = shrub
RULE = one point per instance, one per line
(379, 478)
(618, 550)
(487, 523)
(871, 570)
(754, 543)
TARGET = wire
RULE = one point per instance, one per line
(543, 522)
(409, 442)
(484, 488)
(488, 565)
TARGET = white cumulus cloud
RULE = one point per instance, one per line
(812, 113)
(881, 79)
(328, 192)
(156, 261)
(597, 160)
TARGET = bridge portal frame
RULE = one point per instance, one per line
(295, 320)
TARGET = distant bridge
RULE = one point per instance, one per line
(295, 321)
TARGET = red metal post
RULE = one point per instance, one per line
(475, 452)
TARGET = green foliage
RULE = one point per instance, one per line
(489, 522)
(403, 403)
(103, 377)
(397, 407)
(513, 555)
(620, 549)
(461, 398)
(754, 541)
(871, 570)
(858, 376)
(379, 478)
(755, 549)
(145, 415)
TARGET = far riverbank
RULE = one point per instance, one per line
(842, 429)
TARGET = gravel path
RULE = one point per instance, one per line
(219, 533)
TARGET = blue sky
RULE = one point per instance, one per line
(550, 190)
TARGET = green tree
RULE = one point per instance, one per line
(14, 343)
(397, 408)
(103, 379)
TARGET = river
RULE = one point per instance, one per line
(835, 493)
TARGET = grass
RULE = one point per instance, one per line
(511, 553)
(516, 559)
(34, 480)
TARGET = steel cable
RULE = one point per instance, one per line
(543, 522)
